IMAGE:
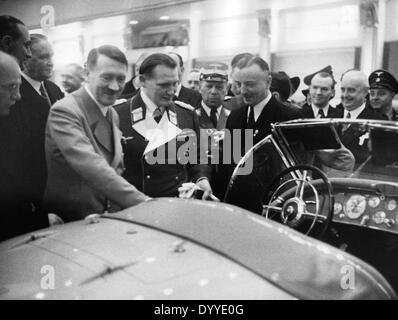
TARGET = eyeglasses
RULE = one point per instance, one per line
(11, 87)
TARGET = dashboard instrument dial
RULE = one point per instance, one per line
(374, 202)
(379, 217)
(355, 206)
(392, 204)
(337, 207)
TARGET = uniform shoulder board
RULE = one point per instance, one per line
(184, 105)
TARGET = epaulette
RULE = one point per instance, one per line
(184, 105)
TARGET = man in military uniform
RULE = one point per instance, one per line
(212, 113)
(383, 88)
(156, 130)
(213, 88)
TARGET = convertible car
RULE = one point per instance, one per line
(344, 208)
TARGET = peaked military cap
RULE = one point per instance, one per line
(383, 79)
(214, 73)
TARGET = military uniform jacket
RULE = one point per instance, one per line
(205, 121)
(158, 179)
(189, 96)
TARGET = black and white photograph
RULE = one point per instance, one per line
(200, 154)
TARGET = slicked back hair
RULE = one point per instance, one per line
(239, 57)
(9, 26)
(154, 60)
(109, 51)
(180, 60)
(248, 61)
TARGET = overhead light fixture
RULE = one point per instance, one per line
(164, 18)
(133, 22)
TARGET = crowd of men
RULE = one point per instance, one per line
(66, 156)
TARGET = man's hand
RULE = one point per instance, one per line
(204, 185)
(53, 219)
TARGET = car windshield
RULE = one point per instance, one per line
(340, 148)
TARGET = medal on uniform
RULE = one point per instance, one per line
(137, 115)
(173, 117)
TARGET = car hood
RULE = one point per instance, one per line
(180, 249)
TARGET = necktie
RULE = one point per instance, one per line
(345, 126)
(157, 114)
(43, 93)
(250, 120)
(321, 114)
(108, 117)
(213, 117)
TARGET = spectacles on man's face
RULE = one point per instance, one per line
(13, 87)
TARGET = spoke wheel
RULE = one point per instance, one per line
(288, 204)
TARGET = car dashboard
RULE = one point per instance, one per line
(366, 209)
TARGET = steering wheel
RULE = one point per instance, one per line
(288, 201)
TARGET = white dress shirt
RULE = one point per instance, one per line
(34, 83)
(258, 108)
(316, 109)
(208, 110)
(356, 112)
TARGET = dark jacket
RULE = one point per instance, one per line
(129, 90)
(351, 137)
(308, 113)
(158, 180)
(189, 96)
(22, 160)
(273, 112)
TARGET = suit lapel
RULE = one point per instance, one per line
(222, 120)
(205, 120)
(98, 123)
(117, 137)
(308, 112)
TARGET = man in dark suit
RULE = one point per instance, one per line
(233, 99)
(15, 39)
(30, 116)
(184, 94)
(354, 89)
(13, 214)
(22, 142)
(156, 130)
(322, 91)
(260, 111)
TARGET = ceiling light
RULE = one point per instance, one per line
(133, 22)
(164, 18)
